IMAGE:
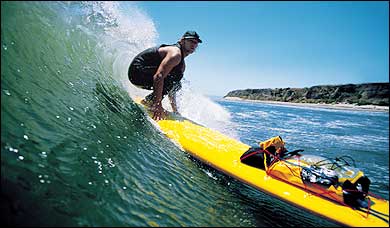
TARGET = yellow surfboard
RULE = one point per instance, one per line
(223, 153)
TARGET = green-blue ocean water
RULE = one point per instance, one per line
(77, 151)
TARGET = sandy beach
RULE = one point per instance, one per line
(341, 106)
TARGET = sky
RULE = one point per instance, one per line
(268, 44)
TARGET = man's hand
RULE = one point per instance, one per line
(158, 112)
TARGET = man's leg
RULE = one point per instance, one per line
(148, 100)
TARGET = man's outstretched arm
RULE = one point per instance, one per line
(170, 60)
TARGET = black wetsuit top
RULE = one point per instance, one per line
(145, 64)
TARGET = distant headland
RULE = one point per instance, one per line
(368, 94)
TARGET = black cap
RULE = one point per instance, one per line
(192, 35)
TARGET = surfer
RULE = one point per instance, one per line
(161, 69)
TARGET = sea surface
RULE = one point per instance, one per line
(77, 151)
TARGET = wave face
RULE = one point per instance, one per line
(75, 149)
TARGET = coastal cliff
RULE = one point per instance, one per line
(360, 94)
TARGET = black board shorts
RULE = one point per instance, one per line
(141, 76)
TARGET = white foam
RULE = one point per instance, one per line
(356, 139)
(126, 31)
(342, 124)
(305, 121)
(201, 109)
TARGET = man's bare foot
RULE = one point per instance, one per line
(146, 103)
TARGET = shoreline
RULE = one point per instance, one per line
(352, 107)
